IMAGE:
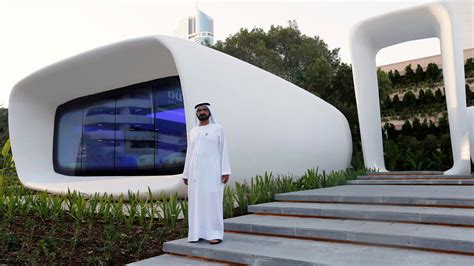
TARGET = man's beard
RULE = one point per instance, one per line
(203, 117)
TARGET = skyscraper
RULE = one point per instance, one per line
(198, 28)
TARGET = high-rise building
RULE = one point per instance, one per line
(198, 28)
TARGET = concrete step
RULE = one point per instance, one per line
(433, 237)
(269, 250)
(414, 214)
(456, 196)
(390, 177)
(413, 182)
(405, 173)
(170, 259)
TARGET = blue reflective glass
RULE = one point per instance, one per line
(136, 130)
(171, 127)
(98, 136)
(71, 155)
(135, 135)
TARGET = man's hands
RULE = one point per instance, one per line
(225, 178)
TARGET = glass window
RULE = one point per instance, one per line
(136, 130)
(171, 127)
(71, 154)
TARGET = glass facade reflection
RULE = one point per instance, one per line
(136, 130)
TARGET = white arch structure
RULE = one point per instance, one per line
(371, 35)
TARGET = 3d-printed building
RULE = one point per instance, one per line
(116, 119)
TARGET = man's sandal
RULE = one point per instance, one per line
(215, 241)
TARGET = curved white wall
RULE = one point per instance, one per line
(369, 36)
(270, 124)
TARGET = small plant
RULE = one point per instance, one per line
(171, 209)
(310, 179)
(8, 165)
(228, 202)
(241, 197)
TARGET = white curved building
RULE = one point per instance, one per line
(117, 118)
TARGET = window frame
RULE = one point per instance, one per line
(109, 95)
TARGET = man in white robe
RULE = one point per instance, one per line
(206, 170)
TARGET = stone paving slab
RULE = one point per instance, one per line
(387, 194)
(446, 238)
(371, 177)
(169, 259)
(454, 216)
(413, 182)
(406, 173)
(268, 250)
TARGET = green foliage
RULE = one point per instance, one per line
(469, 67)
(392, 154)
(433, 73)
(8, 165)
(262, 188)
(228, 207)
(419, 74)
(397, 79)
(3, 126)
(409, 76)
(384, 83)
(171, 209)
(418, 146)
(409, 100)
(310, 180)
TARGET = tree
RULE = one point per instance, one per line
(439, 96)
(443, 123)
(386, 103)
(409, 76)
(446, 150)
(432, 72)
(390, 76)
(409, 100)
(419, 74)
(397, 105)
(469, 95)
(421, 97)
(432, 129)
(385, 85)
(392, 154)
(343, 96)
(286, 52)
(397, 78)
(416, 129)
(424, 130)
(390, 131)
(430, 145)
(429, 97)
(469, 67)
(406, 128)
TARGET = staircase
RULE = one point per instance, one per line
(397, 218)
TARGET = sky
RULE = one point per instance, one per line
(35, 34)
